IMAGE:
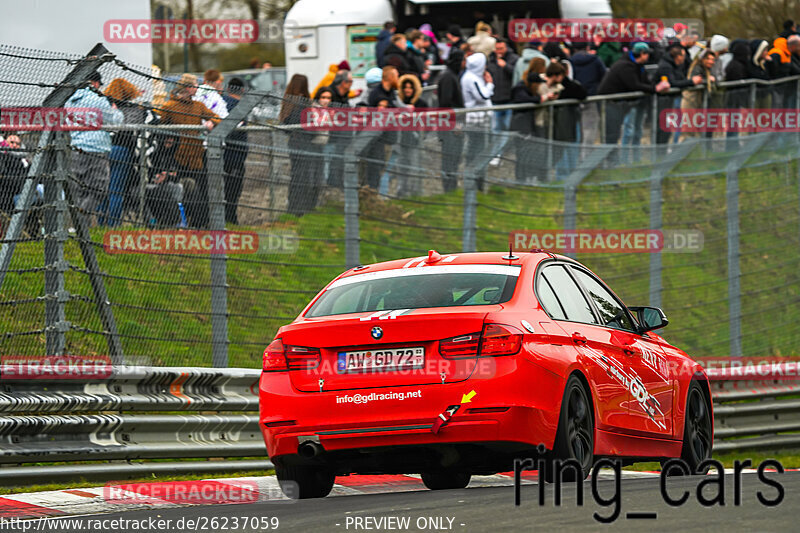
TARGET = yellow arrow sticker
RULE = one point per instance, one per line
(467, 398)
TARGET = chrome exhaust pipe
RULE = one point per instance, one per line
(309, 449)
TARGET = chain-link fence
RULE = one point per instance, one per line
(169, 160)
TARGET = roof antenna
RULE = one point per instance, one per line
(510, 256)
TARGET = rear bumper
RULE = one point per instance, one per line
(525, 399)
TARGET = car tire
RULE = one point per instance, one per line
(302, 482)
(575, 434)
(697, 430)
(446, 479)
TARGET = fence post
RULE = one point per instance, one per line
(654, 124)
(660, 171)
(573, 181)
(734, 269)
(216, 217)
(352, 227)
(732, 216)
(550, 131)
(797, 94)
(470, 220)
(54, 176)
(603, 121)
(141, 141)
(352, 230)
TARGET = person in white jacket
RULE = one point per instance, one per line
(477, 89)
(209, 93)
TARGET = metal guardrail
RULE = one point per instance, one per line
(181, 413)
(73, 420)
(757, 414)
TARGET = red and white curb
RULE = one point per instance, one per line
(137, 496)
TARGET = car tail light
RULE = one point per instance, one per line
(460, 347)
(274, 360)
(301, 358)
(499, 339)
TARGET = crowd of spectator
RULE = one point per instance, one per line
(481, 71)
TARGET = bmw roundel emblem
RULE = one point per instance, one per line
(377, 332)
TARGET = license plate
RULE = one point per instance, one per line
(381, 360)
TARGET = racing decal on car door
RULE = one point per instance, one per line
(631, 381)
(654, 360)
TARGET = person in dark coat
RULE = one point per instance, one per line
(415, 55)
(671, 66)
(384, 40)
(789, 29)
(531, 90)
(13, 171)
(759, 68)
(454, 37)
(501, 67)
(565, 118)
(383, 95)
(588, 69)
(626, 75)
(338, 140)
(448, 91)
(305, 167)
(397, 54)
(738, 69)
(234, 155)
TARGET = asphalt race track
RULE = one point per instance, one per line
(490, 508)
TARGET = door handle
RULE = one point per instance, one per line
(630, 351)
(579, 338)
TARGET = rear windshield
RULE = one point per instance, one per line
(414, 288)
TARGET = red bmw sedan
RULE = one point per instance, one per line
(452, 366)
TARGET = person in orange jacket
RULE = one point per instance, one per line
(327, 79)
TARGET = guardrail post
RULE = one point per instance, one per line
(54, 176)
(216, 205)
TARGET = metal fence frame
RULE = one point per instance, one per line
(51, 156)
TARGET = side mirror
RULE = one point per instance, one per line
(650, 318)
